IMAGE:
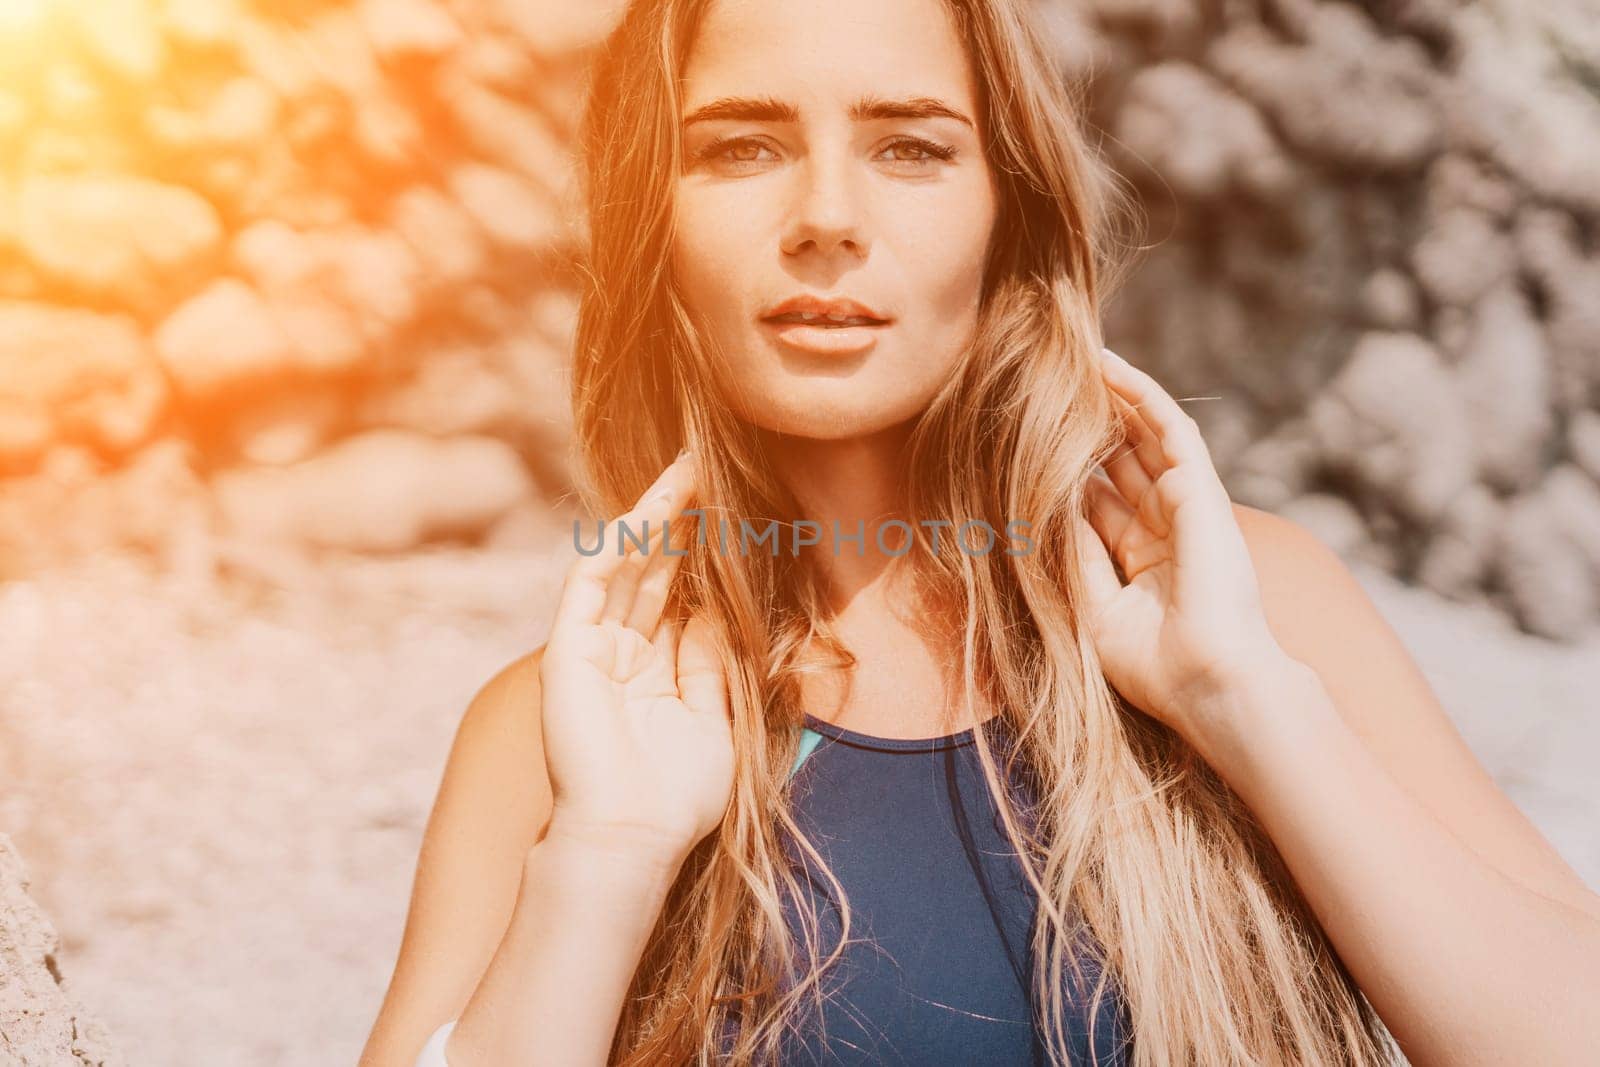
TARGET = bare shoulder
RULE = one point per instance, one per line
(495, 782)
(1271, 537)
(505, 711)
(1296, 570)
(1322, 616)
(1291, 562)
(492, 806)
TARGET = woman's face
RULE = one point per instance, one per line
(832, 152)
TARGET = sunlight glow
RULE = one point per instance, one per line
(20, 16)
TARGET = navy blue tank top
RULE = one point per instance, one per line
(939, 966)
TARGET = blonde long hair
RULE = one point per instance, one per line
(1136, 841)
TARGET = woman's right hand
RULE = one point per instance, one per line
(637, 731)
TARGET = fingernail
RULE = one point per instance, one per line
(1106, 353)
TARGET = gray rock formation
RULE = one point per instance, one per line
(1373, 232)
(40, 1024)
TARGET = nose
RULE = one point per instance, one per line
(827, 213)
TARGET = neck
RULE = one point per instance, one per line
(843, 485)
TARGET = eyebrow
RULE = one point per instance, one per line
(866, 108)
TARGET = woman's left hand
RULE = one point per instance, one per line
(1187, 622)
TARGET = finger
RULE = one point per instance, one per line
(638, 590)
(1155, 510)
(702, 681)
(1203, 528)
(1174, 430)
(1100, 574)
(583, 589)
(624, 581)
(1138, 460)
(664, 660)
(1132, 542)
(655, 583)
(668, 494)
(1108, 512)
(666, 640)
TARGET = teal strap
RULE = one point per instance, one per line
(809, 739)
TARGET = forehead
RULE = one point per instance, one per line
(827, 50)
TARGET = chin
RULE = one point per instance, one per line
(827, 419)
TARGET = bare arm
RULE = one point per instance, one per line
(1464, 963)
(1470, 937)
(558, 981)
(525, 930)
(1469, 934)
(581, 777)
(493, 804)
(1383, 695)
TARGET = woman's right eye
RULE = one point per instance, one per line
(722, 150)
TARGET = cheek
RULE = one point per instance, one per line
(708, 256)
(694, 274)
(943, 254)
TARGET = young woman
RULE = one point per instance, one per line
(1151, 783)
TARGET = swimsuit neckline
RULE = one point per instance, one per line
(892, 744)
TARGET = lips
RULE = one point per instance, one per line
(825, 321)
(836, 311)
(832, 326)
(825, 339)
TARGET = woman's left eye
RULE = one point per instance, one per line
(929, 150)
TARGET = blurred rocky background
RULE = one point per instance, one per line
(1376, 236)
(286, 291)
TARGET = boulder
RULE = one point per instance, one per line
(1325, 93)
(1395, 419)
(1202, 137)
(41, 1025)
(122, 237)
(221, 340)
(382, 491)
(74, 375)
(1504, 375)
(1548, 557)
